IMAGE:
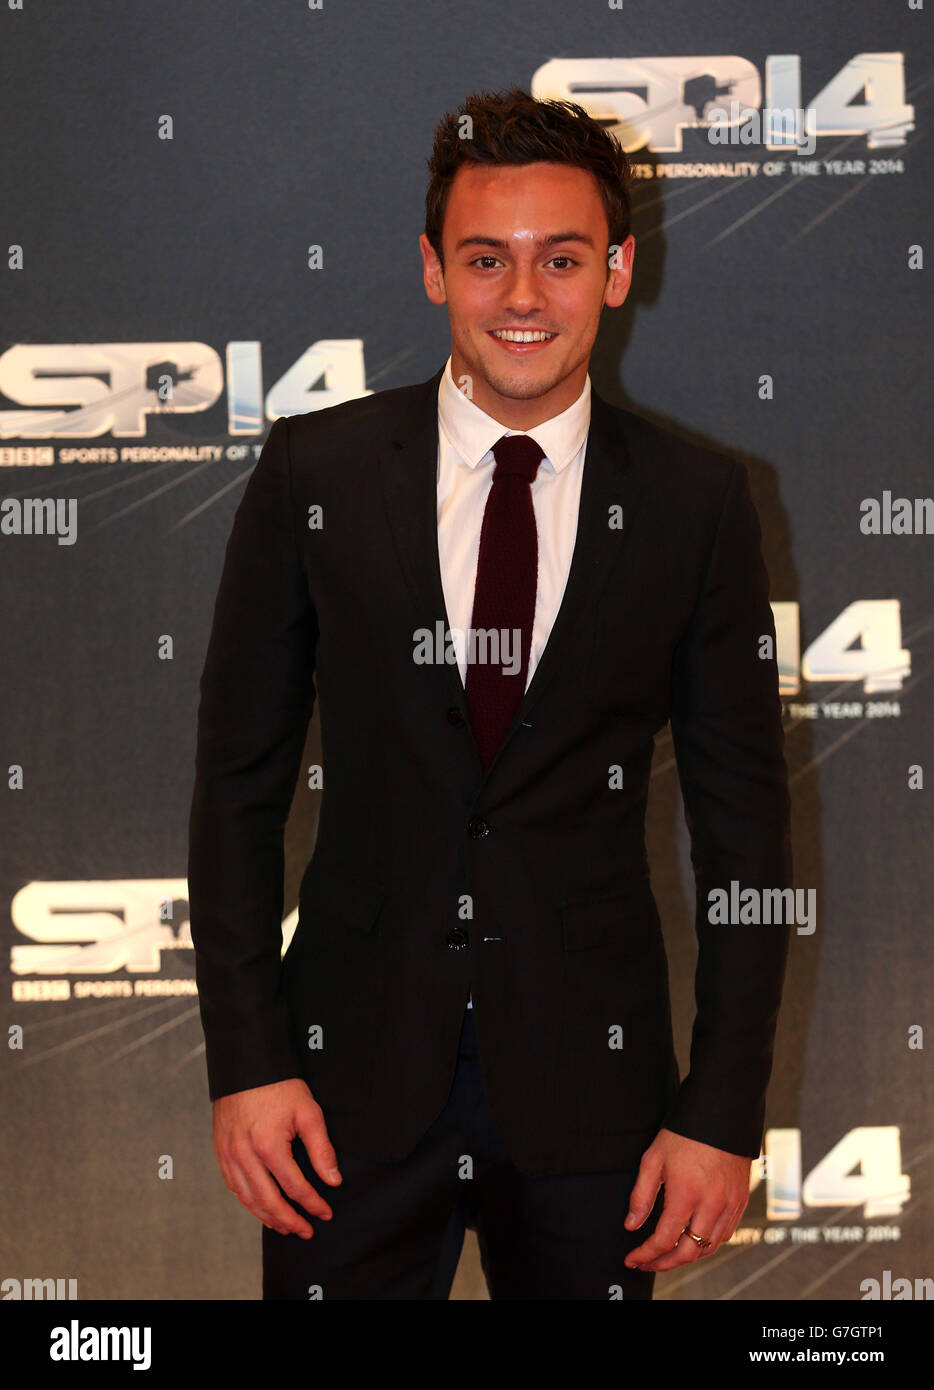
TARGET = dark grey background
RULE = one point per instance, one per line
(295, 127)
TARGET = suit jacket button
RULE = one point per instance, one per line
(477, 828)
(456, 718)
(457, 938)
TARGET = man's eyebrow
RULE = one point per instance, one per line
(553, 239)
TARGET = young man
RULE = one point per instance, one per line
(499, 588)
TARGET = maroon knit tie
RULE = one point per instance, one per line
(504, 595)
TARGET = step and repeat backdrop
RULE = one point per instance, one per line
(209, 219)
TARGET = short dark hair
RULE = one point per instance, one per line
(513, 127)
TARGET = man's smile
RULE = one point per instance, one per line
(521, 341)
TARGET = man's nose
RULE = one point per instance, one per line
(524, 291)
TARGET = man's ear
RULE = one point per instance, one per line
(433, 272)
(619, 276)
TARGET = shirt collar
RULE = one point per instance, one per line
(473, 433)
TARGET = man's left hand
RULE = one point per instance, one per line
(706, 1189)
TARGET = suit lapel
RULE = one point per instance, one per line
(409, 472)
(408, 468)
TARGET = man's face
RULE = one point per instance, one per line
(525, 247)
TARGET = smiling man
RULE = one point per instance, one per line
(472, 1022)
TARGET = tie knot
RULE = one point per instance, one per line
(518, 454)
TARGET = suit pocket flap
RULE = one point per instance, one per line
(591, 922)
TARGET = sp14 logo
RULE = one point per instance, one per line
(652, 101)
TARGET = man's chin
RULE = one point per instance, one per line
(522, 383)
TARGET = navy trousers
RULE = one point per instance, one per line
(398, 1228)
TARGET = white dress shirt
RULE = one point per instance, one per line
(466, 435)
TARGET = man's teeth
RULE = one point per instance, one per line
(510, 335)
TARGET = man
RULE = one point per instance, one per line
(499, 588)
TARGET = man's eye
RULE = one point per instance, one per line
(564, 258)
(483, 258)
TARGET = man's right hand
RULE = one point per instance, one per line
(253, 1131)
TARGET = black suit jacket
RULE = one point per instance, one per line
(539, 863)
